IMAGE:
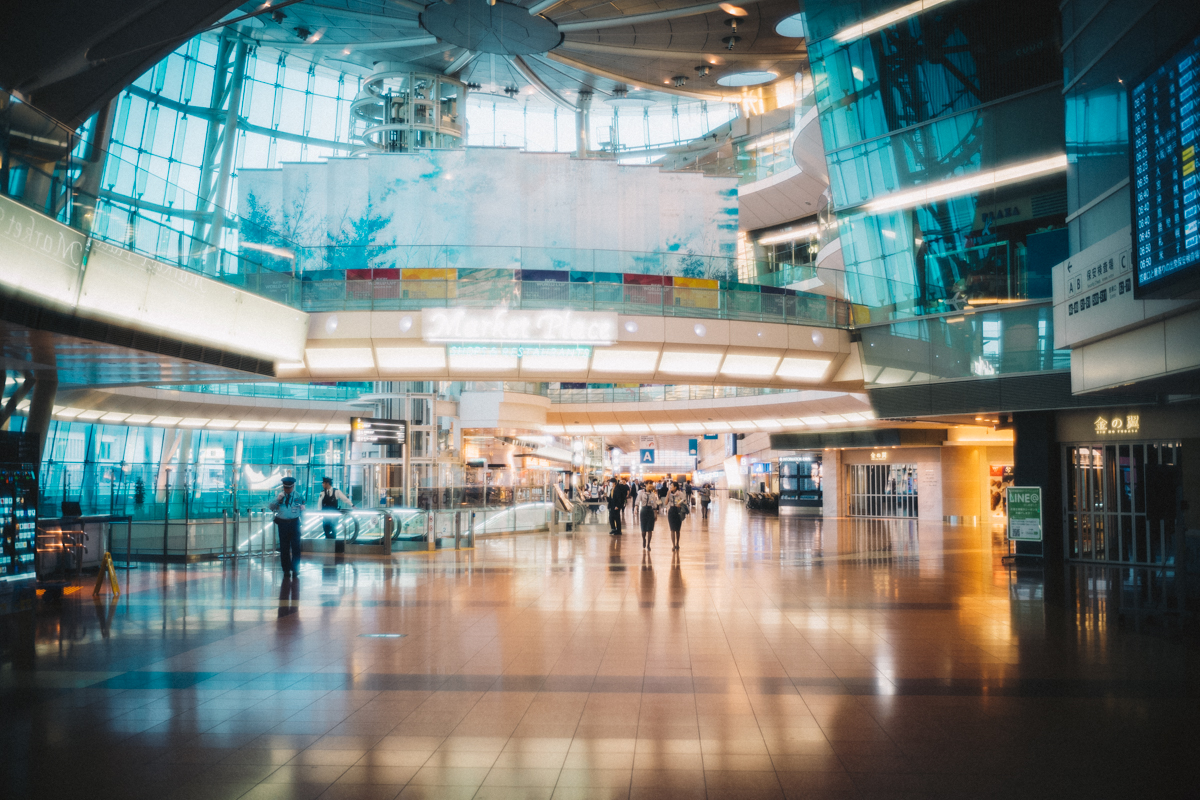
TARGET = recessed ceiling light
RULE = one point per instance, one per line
(281, 426)
(114, 416)
(340, 358)
(716, 426)
(635, 428)
(749, 78)
(611, 428)
(579, 428)
(554, 363)
(410, 359)
(139, 419)
(633, 361)
(168, 421)
(691, 427)
(482, 362)
(686, 363)
(663, 427)
(750, 366)
(338, 427)
(802, 369)
(250, 425)
(90, 415)
(221, 424)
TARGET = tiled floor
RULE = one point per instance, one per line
(770, 658)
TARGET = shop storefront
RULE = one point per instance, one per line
(1127, 475)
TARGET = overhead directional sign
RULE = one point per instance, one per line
(693, 447)
(377, 431)
(647, 457)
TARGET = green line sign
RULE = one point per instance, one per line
(1025, 513)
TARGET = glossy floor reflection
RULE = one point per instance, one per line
(769, 658)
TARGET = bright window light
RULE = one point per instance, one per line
(634, 428)
(139, 419)
(114, 416)
(224, 424)
(340, 358)
(482, 362)
(802, 369)
(167, 421)
(972, 183)
(338, 427)
(679, 363)
(714, 427)
(90, 415)
(749, 366)
(281, 426)
(663, 427)
(579, 428)
(635, 361)
(193, 422)
(554, 363)
(310, 427)
(410, 359)
(250, 425)
(806, 232)
(873, 24)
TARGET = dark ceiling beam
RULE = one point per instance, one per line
(556, 55)
(716, 56)
(69, 57)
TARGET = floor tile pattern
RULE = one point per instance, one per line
(769, 658)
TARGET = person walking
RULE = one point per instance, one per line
(330, 497)
(617, 497)
(647, 499)
(288, 507)
(705, 499)
(676, 511)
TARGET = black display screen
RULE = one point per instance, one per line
(1164, 112)
(377, 431)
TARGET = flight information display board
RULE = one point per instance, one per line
(1165, 137)
(377, 431)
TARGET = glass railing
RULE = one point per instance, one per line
(1003, 340)
(651, 394)
(722, 301)
(283, 391)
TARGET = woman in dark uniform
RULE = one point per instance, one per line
(676, 503)
(647, 500)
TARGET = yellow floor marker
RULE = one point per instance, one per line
(106, 566)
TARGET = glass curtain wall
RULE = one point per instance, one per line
(941, 95)
(150, 473)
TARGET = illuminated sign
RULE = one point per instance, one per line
(1118, 424)
(504, 326)
(1164, 112)
(377, 431)
(879, 456)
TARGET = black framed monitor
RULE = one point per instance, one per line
(1164, 169)
(378, 431)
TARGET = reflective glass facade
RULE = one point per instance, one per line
(944, 95)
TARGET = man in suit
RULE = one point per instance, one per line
(617, 497)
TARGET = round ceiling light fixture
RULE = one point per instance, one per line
(751, 78)
(792, 27)
(504, 28)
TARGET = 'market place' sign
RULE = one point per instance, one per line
(501, 326)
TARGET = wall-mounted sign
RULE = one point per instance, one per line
(712, 436)
(1109, 424)
(760, 468)
(377, 431)
(1025, 513)
(504, 326)
(879, 455)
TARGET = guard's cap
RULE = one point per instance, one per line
(327, 479)
(288, 481)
